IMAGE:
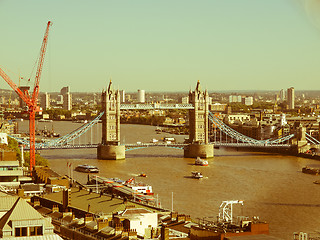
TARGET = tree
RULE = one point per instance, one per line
(40, 161)
(14, 145)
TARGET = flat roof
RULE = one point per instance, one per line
(98, 204)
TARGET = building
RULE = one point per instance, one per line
(247, 101)
(123, 96)
(235, 98)
(282, 95)
(139, 219)
(290, 97)
(64, 90)
(20, 220)
(141, 96)
(67, 101)
(45, 101)
(233, 118)
(185, 100)
(66, 98)
(218, 107)
(59, 100)
(10, 170)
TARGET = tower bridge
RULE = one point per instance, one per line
(199, 144)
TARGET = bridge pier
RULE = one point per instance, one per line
(111, 152)
(199, 150)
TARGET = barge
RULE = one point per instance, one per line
(139, 192)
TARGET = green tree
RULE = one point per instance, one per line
(40, 161)
(14, 145)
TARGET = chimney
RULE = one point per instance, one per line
(102, 223)
(118, 229)
(174, 216)
(36, 202)
(66, 198)
(88, 218)
(164, 232)
(55, 208)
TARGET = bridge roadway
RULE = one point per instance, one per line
(170, 145)
(152, 106)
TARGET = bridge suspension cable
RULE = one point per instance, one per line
(312, 139)
(64, 139)
(241, 137)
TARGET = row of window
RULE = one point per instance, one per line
(8, 168)
(33, 231)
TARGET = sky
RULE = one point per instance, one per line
(162, 45)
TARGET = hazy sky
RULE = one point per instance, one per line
(162, 45)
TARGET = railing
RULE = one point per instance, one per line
(151, 106)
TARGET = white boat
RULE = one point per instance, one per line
(201, 162)
(196, 175)
(139, 187)
(87, 168)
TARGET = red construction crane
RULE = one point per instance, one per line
(32, 100)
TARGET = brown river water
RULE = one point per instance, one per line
(271, 186)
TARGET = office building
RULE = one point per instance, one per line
(122, 96)
(290, 98)
(66, 98)
(141, 96)
(235, 98)
(64, 90)
(67, 101)
(282, 95)
(247, 101)
(45, 101)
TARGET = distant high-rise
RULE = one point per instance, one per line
(122, 96)
(45, 101)
(67, 101)
(141, 96)
(282, 95)
(67, 98)
(248, 101)
(290, 98)
(64, 90)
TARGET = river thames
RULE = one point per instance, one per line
(271, 186)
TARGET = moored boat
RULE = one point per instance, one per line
(311, 170)
(201, 162)
(139, 187)
(196, 175)
(87, 168)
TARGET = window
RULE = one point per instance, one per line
(36, 231)
(20, 232)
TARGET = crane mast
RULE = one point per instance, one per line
(31, 101)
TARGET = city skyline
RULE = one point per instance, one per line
(163, 46)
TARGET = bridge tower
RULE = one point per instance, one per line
(110, 147)
(199, 125)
